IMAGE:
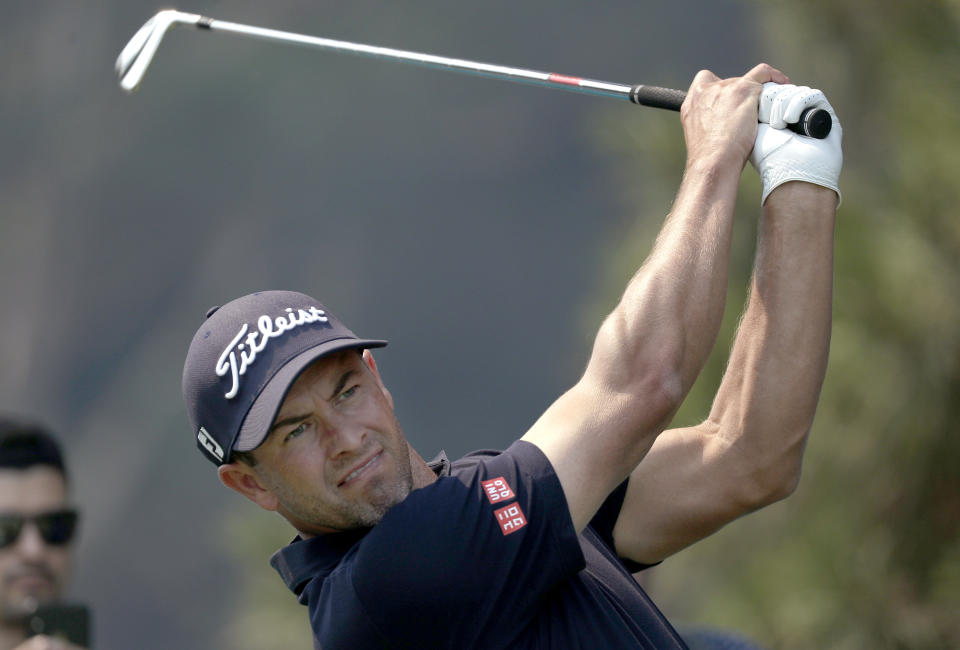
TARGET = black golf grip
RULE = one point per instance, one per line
(813, 122)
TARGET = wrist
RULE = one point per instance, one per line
(820, 196)
(798, 211)
(718, 167)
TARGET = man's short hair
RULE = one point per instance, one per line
(245, 457)
(26, 444)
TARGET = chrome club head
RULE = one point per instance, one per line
(138, 53)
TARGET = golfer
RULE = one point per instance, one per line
(534, 546)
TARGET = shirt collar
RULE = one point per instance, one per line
(440, 464)
(304, 559)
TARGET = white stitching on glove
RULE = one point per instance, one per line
(780, 155)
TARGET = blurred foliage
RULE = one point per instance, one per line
(866, 553)
(268, 614)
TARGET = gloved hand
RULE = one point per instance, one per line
(780, 155)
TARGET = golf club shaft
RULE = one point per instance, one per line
(136, 56)
(639, 94)
(813, 122)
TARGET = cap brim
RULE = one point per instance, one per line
(256, 425)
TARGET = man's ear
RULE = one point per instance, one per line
(240, 477)
(368, 359)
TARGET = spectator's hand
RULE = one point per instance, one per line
(42, 642)
(780, 155)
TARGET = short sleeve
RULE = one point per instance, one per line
(605, 520)
(471, 555)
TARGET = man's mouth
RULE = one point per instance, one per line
(359, 470)
(30, 581)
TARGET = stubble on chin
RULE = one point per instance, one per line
(343, 513)
(386, 496)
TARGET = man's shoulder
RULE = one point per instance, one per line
(466, 502)
(442, 466)
(471, 553)
(521, 456)
(470, 461)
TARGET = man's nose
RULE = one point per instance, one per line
(346, 438)
(30, 544)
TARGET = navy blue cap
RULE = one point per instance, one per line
(243, 360)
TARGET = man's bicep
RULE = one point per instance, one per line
(687, 487)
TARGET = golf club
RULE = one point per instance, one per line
(139, 52)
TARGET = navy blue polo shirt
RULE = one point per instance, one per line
(486, 557)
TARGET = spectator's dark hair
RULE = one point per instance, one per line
(27, 444)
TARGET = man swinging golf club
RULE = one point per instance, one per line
(534, 547)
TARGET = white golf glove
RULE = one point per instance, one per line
(780, 155)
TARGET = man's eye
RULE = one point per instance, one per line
(296, 432)
(347, 394)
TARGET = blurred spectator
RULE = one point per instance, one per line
(37, 527)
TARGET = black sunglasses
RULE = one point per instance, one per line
(56, 528)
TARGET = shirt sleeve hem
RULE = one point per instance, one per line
(535, 464)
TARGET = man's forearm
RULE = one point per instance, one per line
(660, 334)
(648, 351)
(674, 304)
(772, 384)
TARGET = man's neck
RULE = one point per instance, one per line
(422, 474)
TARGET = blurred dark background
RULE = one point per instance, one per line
(484, 228)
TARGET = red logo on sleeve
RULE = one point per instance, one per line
(510, 518)
(497, 490)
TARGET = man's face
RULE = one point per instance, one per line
(335, 458)
(32, 572)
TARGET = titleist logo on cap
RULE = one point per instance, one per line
(255, 342)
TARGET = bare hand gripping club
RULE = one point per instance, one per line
(139, 52)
